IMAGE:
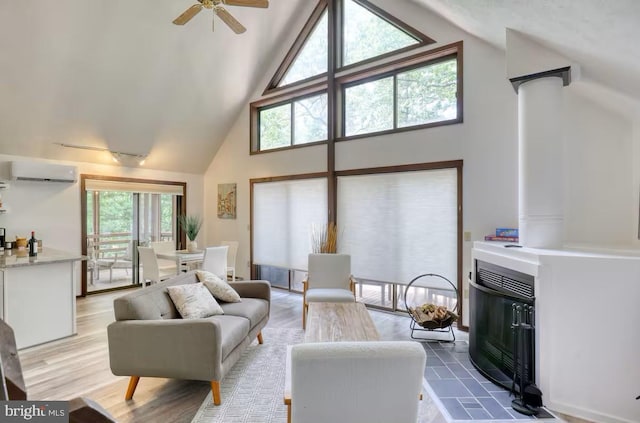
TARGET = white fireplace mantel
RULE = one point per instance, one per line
(587, 342)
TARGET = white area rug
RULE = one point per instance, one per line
(252, 392)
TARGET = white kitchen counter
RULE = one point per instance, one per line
(37, 295)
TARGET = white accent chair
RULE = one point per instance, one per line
(231, 257)
(215, 261)
(328, 280)
(151, 271)
(356, 382)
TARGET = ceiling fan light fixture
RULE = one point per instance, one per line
(218, 9)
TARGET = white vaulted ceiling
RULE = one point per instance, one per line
(118, 74)
(600, 35)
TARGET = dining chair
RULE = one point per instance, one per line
(215, 261)
(151, 271)
(328, 279)
(356, 382)
(231, 257)
(165, 247)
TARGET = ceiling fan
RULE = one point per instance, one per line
(218, 9)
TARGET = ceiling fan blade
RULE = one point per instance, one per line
(188, 14)
(230, 20)
(247, 3)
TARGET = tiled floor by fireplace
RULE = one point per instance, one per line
(462, 390)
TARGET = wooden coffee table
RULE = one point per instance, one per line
(332, 322)
(335, 322)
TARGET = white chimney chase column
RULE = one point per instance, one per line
(540, 142)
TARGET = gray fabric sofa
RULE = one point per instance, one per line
(149, 338)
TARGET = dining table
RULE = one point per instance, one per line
(182, 257)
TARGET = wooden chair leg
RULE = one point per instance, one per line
(289, 413)
(133, 383)
(304, 316)
(215, 390)
(260, 338)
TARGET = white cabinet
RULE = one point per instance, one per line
(3, 186)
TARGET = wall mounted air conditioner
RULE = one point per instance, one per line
(45, 172)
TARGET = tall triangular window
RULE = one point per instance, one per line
(312, 59)
(348, 75)
(367, 35)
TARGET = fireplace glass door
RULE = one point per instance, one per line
(491, 337)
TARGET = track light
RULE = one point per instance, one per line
(125, 159)
(128, 159)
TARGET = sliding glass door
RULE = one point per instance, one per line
(283, 214)
(396, 226)
(110, 239)
(396, 223)
(119, 215)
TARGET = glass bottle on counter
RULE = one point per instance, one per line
(33, 245)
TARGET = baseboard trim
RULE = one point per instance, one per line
(584, 413)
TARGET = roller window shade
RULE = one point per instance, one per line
(397, 226)
(283, 213)
(140, 187)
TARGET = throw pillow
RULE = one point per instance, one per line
(194, 301)
(218, 288)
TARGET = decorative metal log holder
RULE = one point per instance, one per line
(442, 326)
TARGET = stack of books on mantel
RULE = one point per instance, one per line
(504, 235)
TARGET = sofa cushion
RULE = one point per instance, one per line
(254, 309)
(234, 329)
(194, 301)
(152, 302)
(220, 289)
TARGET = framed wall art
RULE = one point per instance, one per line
(227, 201)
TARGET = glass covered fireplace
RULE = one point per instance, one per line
(495, 295)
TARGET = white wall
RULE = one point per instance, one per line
(486, 141)
(600, 171)
(52, 210)
(599, 182)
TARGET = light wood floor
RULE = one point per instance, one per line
(79, 365)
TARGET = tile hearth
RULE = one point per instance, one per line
(462, 390)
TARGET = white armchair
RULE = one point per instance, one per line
(328, 280)
(356, 382)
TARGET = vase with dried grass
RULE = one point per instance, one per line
(324, 238)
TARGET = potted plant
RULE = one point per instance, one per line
(324, 238)
(191, 225)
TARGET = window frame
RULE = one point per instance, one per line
(257, 107)
(253, 268)
(361, 75)
(296, 47)
(451, 164)
(393, 69)
(422, 39)
(338, 77)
